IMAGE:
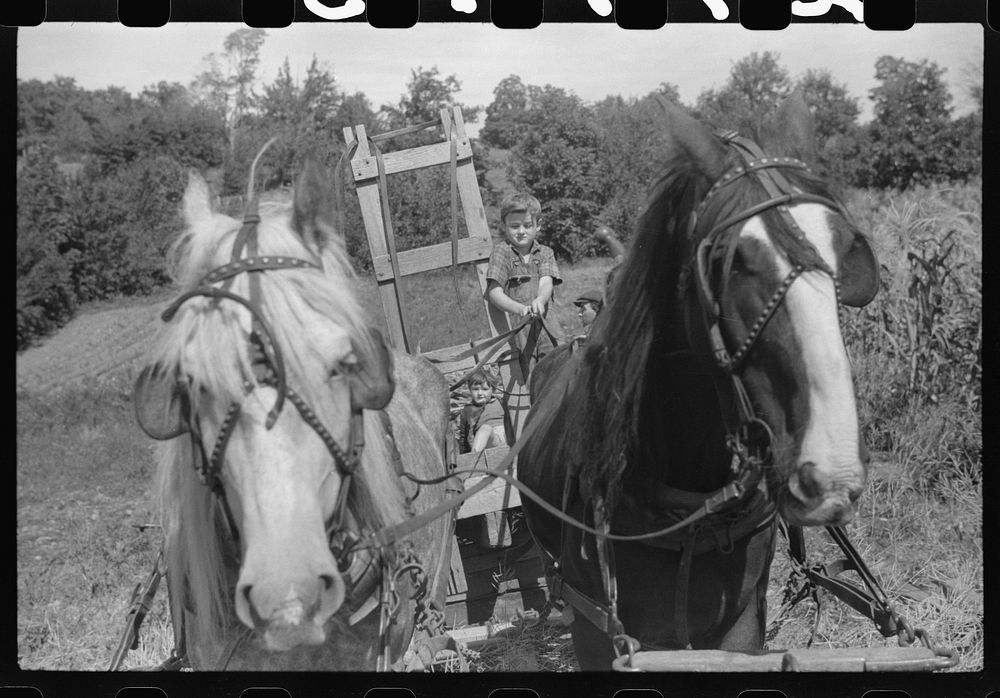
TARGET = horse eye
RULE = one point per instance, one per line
(344, 367)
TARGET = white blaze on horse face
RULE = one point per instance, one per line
(283, 483)
(289, 584)
(830, 440)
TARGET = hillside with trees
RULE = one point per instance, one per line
(100, 172)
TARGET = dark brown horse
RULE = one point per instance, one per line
(717, 379)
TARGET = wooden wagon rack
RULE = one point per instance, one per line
(487, 570)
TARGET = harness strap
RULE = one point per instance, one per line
(606, 563)
(873, 603)
(596, 613)
(271, 351)
(489, 346)
(388, 535)
(681, 588)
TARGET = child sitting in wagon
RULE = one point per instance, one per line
(481, 422)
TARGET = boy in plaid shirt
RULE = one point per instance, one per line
(522, 272)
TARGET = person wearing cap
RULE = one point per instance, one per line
(609, 238)
(589, 304)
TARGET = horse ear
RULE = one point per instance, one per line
(197, 202)
(859, 273)
(687, 134)
(314, 214)
(793, 131)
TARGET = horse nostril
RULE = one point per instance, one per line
(246, 593)
(854, 493)
(327, 580)
(808, 484)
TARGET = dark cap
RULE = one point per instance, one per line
(590, 296)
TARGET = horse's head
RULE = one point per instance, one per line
(271, 362)
(772, 256)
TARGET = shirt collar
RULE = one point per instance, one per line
(535, 246)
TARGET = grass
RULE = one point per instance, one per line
(84, 469)
(83, 476)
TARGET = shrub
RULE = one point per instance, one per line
(122, 226)
(45, 296)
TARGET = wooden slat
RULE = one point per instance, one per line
(516, 388)
(475, 220)
(853, 660)
(432, 257)
(489, 560)
(371, 212)
(411, 159)
(456, 581)
(496, 497)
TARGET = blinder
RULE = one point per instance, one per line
(162, 404)
(372, 386)
(859, 274)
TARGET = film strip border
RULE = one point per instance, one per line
(628, 14)
(513, 14)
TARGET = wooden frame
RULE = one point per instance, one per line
(475, 248)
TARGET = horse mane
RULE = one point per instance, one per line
(197, 344)
(627, 349)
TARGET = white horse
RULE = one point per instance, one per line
(291, 423)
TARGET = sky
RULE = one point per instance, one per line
(591, 60)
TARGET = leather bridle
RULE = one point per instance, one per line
(719, 242)
(714, 243)
(269, 370)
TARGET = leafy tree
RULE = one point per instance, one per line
(910, 138)
(630, 155)
(426, 94)
(750, 96)
(227, 83)
(56, 112)
(556, 158)
(180, 128)
(45, 298)
(355, 109)
(130, 216)
(963, 142)
(834, 110)
(163, 120)
(839, 138)
(502, 125)
(305, 117)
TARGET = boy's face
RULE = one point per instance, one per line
(521, 228)
(587, 313)
(481, 393)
